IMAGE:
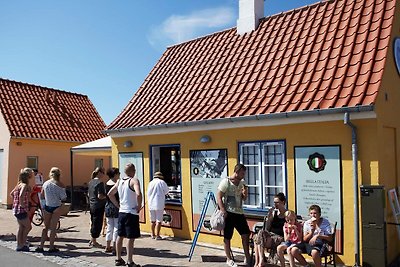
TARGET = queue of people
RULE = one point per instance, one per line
(120, 200)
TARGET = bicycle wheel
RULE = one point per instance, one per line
(37, 217)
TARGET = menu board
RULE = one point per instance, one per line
(207, 167)
(136, 158)
(318, 181)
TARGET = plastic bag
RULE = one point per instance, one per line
(217, 220)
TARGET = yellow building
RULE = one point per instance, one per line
(299, 97)
(38, 128)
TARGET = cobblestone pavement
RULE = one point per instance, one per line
(73, 238)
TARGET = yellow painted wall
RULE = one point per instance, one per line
(388, 140)
(50, 154)
(324, 133)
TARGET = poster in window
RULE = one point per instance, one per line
(318, 178)
(207, 167)
(137, 159)
(394, 203)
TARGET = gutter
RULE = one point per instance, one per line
(281, 115)
(354, 155)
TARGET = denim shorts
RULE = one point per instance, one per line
(50, 209)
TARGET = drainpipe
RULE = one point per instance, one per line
(355, 187)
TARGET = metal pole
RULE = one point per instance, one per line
(72, 177)
(355, 188)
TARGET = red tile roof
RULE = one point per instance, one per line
(324, 56)
(32, 111)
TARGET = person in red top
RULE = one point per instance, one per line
(20, 195)
(293, 234)
(34, 197)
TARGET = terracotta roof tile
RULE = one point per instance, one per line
(327, 55)
(32, 111)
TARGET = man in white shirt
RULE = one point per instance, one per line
(130, 204)
(156, 192)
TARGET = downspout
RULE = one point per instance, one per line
(354, 156)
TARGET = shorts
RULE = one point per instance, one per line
(156, 215)
(21, 216)
(235, 221)
(50, 209)
(287, 243)
(128, 225)
(307, 248)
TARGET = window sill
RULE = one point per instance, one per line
(173, 203)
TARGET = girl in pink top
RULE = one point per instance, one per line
(20, 195)
(293, 235)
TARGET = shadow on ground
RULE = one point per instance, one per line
(8, 237)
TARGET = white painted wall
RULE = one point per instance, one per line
(4, 154)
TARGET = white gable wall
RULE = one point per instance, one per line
(4, 155)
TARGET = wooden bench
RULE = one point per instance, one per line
(329, 254)
(327, 257)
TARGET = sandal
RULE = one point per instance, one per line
(53, 250)
(119, 262)
(95, 245)
(108, 250)
(39, 249)
(132, 264)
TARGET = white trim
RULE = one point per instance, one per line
(241, 124)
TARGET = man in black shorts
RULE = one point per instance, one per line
(130, 203)
(231, 193)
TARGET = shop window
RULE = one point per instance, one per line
(32, 162)
(266, 172)
(167, 159)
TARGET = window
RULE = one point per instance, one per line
(167, 159)
(32, 162)
(98, 163)
(266, 172)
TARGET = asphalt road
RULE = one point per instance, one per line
(11, 258)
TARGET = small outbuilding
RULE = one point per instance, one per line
(38, 127)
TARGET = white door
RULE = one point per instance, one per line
(1, 173)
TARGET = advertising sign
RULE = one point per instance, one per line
(207, 167)
(318, 175)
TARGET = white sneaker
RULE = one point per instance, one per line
(231, 263)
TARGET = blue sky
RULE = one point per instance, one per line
(105, 48)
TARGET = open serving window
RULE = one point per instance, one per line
(167, 159)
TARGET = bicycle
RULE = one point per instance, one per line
(38, 217)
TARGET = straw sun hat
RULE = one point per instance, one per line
(158, 175)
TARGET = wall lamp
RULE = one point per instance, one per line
(205, 139)
(128, 143)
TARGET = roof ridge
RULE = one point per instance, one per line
(43, 87)
(297, 9)
(261, 20)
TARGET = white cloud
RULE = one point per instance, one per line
(180, 28)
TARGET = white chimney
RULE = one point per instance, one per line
(250, 13)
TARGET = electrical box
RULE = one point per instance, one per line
(373, 225)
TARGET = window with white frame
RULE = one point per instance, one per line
(266, 172)
(32, 162)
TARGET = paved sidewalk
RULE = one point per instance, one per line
(73, 238)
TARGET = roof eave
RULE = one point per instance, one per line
(293, 114)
